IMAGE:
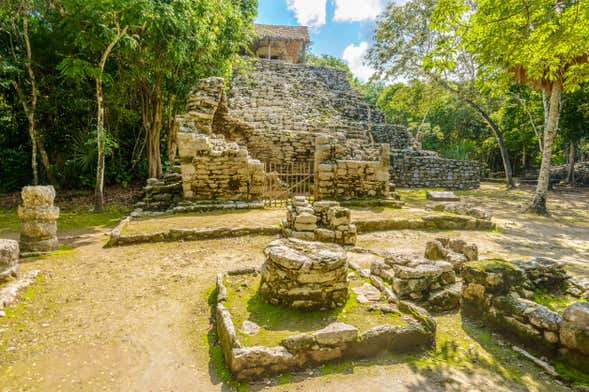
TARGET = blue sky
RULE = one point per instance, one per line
(341, 28)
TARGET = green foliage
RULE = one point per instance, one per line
(179, 40)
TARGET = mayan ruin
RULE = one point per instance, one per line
(294, 195)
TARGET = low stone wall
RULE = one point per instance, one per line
(428, 222)
(417, 168)
(335, 342)
(492, 293)
(118, 239)
(581, 173)
(342, 178)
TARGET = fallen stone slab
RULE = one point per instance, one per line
(442, 196)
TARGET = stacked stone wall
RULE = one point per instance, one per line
(415, 168)
(341, 177)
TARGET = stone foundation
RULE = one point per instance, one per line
(38, 219)
(304, 275)
(314, 348)
(492, 293)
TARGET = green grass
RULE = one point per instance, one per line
(10, 222)
(27, 297)
(76, 220)
(277, 322)
(68, 220)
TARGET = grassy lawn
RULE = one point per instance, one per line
(70, 222)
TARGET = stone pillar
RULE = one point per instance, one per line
(9, 253)
(38, 219)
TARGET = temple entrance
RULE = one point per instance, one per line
(285, 180)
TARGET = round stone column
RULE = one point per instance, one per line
(304, 275)
(38, 219)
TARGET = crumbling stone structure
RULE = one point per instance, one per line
(9, 255)
(282, 112)
(304, 275)
(38, 218)
(324, 221)
(431, 282)
(286, 105)
(213, 168)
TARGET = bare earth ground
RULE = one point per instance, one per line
(137, 318)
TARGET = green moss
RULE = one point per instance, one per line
(556, 303)
(277, 322)
(337, 367)
(571, 374)
(285, 379)
(491, 265)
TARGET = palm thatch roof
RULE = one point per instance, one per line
(282, 33)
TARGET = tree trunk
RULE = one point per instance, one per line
(33, 149)
(172, 131)
(498, 135)
(500, 142)
(99, 190)
(571, 171)
(538, 204)
(152, 123)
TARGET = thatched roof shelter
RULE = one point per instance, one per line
(286, 43)
(282, 33)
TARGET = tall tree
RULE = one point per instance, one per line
(406, 45)
(18, 69)
(543, 43)
(95, 27)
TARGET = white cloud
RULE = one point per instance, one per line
(310, 13)
(355, 57)
(356, 10)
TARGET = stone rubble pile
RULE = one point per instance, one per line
(324, 221)
(304, 275)
(9, 255)
(543, 274)
(455, 251)
(432, 282)
(162, 194)
(490, 294)
(38, 218)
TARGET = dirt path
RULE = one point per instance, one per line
(137, 319)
